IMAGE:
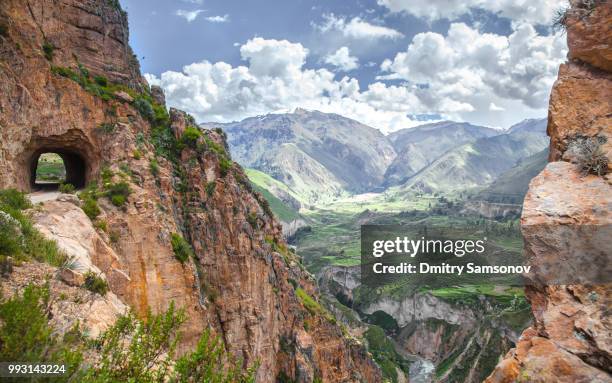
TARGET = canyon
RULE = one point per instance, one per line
(150, 180)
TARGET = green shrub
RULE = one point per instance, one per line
(107, 127)
(224, 165)
(25, 334)
(115, 4)
(18, 237)
(137, 154)
(118, 193)
(107, 175)
(98, 86)
(154, 167)
(42, 249)
(118, 200)
(309, 303)
(11, 237)
(14, 199)
(144, 107)
(89, 197)
(210, 188)
(211, 363)
(66, 72)
(252, 220)
(384, 353)
(182, 249)
(102, 225)
(313, 307)
(90, 208)
(67, 188)
(101, 80)
(95, 283)
(3, 30)
(130, 351)
(216, 148)
(148, 354)
(161, 114)
(190, 136)
(48, 50)
(145, 357)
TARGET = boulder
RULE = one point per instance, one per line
(123, 96)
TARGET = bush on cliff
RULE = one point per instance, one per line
(182, 249)
(25, 334)
(95, 283)
(118, 193)
(589, 155)
(131, 350)
(18, 237)
(190, 136)
(48, 50)
(89, 197)
(384, 353)
(145, 108)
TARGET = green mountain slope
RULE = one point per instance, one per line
(418, 147)
(286, 210)
(320, 156)
(511, 186)
(478, 163)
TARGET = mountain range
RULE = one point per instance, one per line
(310, 157)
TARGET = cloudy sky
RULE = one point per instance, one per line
(388, 63)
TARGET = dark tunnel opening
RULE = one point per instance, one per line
(48, 174)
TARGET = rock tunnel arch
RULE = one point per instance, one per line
(76, 151)
(74, 163)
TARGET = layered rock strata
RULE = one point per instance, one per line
(70, 84)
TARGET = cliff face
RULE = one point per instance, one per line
(71, 85)
(566, 215)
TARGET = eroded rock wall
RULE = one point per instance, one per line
(241, 280)
(566, 220)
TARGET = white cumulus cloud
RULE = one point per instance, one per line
(356, 28)
(189, 15)
(218, 19)
(275, 80)
(464, 75)
(534, 12)
(482, 69)
(342, 60)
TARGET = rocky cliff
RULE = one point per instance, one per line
(71, 85)
(566, 216)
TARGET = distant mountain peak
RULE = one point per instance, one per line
(529, 125)
(300, 110)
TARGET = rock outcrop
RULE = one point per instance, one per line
(566, 220)
(70, 84)
(68, 305)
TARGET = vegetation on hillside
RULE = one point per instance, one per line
(18, 237)
(132, 350)
(384, 353)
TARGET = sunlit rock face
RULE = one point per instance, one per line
(237, 283)
(566, 216)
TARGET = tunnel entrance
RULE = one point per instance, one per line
(50, 167)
